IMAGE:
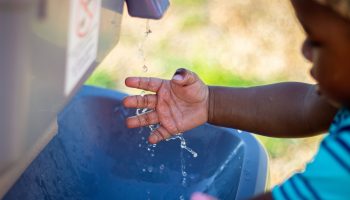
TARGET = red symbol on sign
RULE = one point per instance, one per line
(86, 12)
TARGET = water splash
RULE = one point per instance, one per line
(183, 144)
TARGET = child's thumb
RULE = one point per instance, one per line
(184, 77)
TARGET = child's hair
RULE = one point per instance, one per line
(340, 6)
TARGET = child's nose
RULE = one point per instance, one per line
(307, 50)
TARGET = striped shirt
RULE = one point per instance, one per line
(328, 175)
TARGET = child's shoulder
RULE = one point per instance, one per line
(341, 122)
(327, 176)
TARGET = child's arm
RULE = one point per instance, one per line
(279, 110)
(265, 196)
(185, 102)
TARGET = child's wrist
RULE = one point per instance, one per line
(211, 104)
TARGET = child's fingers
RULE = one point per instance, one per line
(147, 101)
(145, 119)
(158, 135)
(145, 83)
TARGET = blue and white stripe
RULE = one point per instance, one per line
(328, 175)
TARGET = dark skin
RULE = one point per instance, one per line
(327, 46)
(279, 110)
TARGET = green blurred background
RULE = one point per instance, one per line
(231, 43)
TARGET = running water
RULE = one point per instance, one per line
(142, 46)
(141, 50)
(140, 111)
(183, 146)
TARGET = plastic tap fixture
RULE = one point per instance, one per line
(151, 9)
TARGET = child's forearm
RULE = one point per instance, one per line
(277, 110)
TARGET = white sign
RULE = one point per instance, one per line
(82, 40)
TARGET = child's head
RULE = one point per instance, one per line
(327, 45)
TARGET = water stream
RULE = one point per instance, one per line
(140, 111)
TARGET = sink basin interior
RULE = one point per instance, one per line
(94, 156)
(130, 163)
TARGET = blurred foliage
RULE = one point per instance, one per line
(102, 79)
(210, 72)
(193, 21)
(276, 146)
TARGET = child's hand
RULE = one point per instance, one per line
(201, 196)
(179, 104)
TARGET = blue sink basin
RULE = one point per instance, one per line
(94, 156)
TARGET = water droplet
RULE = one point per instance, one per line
(144, 68)
(143, 138)
(140, 145)
(184, 173)
(148, 28)
(143, 169)
(184, 182)
(142, 93)
(144, 110)
(152, 154)
(148, 194)
(148, 31)
(182, 197)
(161, 167)
(150, 169)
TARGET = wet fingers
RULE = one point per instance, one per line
(147, 101)
(144, 119)
(158, 135)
